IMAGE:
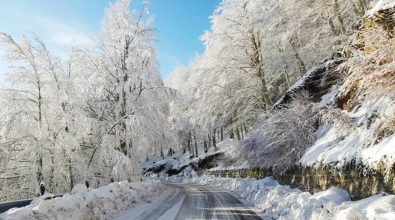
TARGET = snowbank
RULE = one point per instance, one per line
(283, 202)
(101, 203)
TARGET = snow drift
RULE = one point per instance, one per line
(83, 203)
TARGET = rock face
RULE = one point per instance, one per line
(317, 82)
(359, 181)
(198, 164)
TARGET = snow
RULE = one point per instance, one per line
(172, 213)
(101, 203)
(178, 161)
(331, 149)
(381, 5)
(141, 208)
(298, 85)
(338, 145)
(330, 98)
(276, 201)
(79, 189)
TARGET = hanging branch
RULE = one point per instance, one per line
(101, 139)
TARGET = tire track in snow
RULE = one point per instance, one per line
(195, 202)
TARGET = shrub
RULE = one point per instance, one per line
(282, 136)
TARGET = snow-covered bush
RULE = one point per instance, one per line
(281, 138)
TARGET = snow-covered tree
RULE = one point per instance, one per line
(254, 52)
(92, 116)
(131, 104)
(39, 132)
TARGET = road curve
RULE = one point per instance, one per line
(188, 201)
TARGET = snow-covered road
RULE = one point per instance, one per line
(187, 201)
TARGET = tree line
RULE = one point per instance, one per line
(88, 117)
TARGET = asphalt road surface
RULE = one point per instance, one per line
(185, 201)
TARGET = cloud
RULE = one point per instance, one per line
(58, 33)
(62, 34)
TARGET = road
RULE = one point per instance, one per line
(6, 206)
(186, 201)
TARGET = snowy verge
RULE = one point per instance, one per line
(283, 202)
(102, 203)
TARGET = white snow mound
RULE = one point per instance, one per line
(102, 203)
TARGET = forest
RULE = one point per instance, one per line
(97, 113)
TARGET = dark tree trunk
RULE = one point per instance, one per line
(190, 148)
(209, 140)
(339, 16)
(196, 147)
(214, 140)
(231, 135)
(238, 134)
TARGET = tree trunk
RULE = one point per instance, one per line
(51, 185)
(196, 147)
(161, 153)
(190, 148)
(231, 135)
(238, 134)
(257, 60)
(339, 16)
(209, 140)
(286, 76)
(39, 168)
(359, 8)
(214, 140)
(39, 154)
(245, 128)
(334, 30)
(294, 42)
(222, 133)
(70, 169)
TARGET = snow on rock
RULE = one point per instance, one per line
(313, 79)
(381, 5)
(339, 145)
(160, 166)
(283, 202)
(102, 203)
(188, 172)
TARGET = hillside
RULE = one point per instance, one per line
(337, 116)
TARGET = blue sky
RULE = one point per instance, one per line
(179, 24)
